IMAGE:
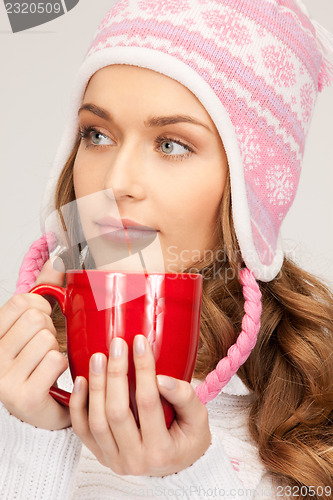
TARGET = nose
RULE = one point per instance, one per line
(125, 176)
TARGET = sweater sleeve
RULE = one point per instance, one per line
(36, 463)
(212, 475)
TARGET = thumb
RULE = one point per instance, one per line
(52, 273)
(182, 396)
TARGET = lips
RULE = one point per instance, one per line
(113, 223)
(125, 230)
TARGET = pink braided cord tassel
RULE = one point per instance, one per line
(239, 352)
(33, 262)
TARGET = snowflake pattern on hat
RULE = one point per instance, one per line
(228, 26)
(307, 101)
(279, 184)
(164, 7)
(282, 70)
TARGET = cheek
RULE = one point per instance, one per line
(83, 180)
(76, 181)
(78, 176)
(197, 205)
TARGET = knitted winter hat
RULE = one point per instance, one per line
(257, 68)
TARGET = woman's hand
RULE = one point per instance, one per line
(30, 361)
(108, 427)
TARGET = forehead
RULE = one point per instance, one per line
(136, 87)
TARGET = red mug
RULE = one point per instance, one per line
(99, 305)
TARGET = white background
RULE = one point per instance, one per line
(37, 70)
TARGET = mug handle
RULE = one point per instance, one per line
(60, 294)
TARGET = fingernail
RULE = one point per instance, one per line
(77, 384)
(140, 345)
(117, 347)
(97, 363)
(167, 382)
(58, 264)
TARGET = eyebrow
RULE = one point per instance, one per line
(154, 121)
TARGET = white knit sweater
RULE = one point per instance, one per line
(38, 464)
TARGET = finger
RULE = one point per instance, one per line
(47, 371)
(119, 414)
(151, 415)
(17, 305)
(188, 407)
(98, 423)
(33, 353)
(52, 272)
(24, 329)
(78, 406)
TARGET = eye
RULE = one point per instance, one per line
(166, 146)
(91, 134)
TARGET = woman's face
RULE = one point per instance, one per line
(143, 163)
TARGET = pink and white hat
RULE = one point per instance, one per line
(256, 66)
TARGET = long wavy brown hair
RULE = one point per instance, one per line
(290, 369)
